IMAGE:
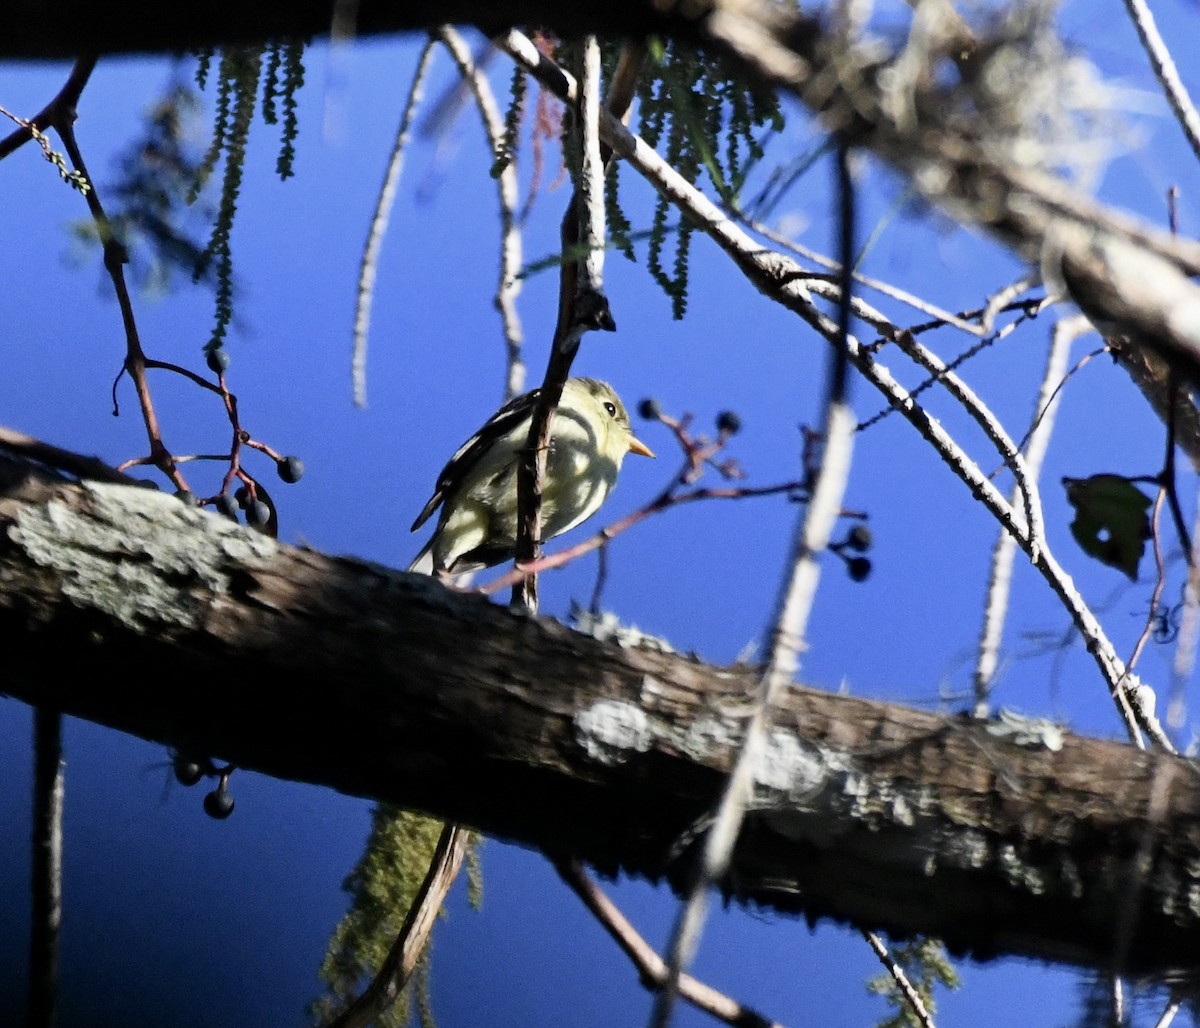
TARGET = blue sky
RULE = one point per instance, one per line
(175, 919)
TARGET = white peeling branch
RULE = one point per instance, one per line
(1000, 579)
(789, 626)
(509, 285)
(591, 308)
(369, 265)
(911, 996)
(1105, 253)
(1167, 73)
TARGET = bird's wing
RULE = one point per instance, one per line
(466, 456)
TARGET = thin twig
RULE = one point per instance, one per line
(368, 267)
(651, 968)
(668, 498)
(508, 189)
(1000, 578)
(52, 115)
(1026, 484)
(115, 258)
(582, 306)
(1160, 581)
(1076, 325)
(1165, 70)
(1028, 309)
(1169, 1011)
(886, 288)
(911, 996)
(1000, 299)
(445, 111)
(789, 626)
(1184, 662)
(46, 873)
(402, 959)
(1175, 389)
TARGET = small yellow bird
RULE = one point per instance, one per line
(477, 489)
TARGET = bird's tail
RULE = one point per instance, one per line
(423, 563)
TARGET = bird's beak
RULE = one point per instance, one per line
(637, 446)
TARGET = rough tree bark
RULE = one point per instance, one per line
(184, 628)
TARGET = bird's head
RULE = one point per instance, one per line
(617, 438)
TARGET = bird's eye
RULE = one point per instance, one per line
(611, 408)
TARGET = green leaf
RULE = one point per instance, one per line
(1111, 523)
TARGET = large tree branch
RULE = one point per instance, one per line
(187, 629)
(33, 29)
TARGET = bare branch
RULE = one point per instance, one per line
(63, 460)
(1169, 1011)
(379, 223)
(650, 966)
(903, 296)
(797, 595)
(901, 979)
(46, 874)
(582, 306)
(406, 951)
(509, 285)
(1168, 74)
(62, 106)
(591, 305)
(1101, 256)
(1000, 577)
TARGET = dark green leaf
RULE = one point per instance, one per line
(1111, 523)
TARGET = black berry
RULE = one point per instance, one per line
(729, 422)
(649, 409)
(291, 469)
(859, 538)
(859, 568)
(187, 772)
(218, 803)
(257, 513)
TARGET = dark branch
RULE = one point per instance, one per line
(33, 29)
(389, 686)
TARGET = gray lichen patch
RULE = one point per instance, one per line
(607, 627)
(133, 554)
(788, 772)
(708, 737)
(611, 731)
(1030, 732)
